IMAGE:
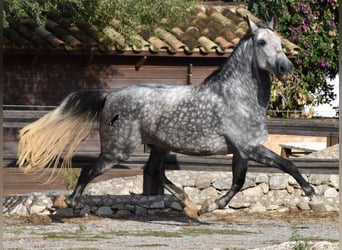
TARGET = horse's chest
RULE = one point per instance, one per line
(246, 125)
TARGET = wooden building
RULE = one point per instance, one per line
(42, 65)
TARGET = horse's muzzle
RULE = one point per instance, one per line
(283, 67)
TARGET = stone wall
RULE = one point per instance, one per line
(121, 196)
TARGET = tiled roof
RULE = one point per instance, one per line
(210, 29)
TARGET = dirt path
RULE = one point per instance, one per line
(238, 231)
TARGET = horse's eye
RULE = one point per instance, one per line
(261, 42)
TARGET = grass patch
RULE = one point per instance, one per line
(147, 233)
(71, 235)
(300, 243)
(152, 245)
(207, 231)
(184, 232)
(83, 235)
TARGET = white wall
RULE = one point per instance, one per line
(326, 110)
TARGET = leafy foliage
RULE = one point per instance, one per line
(311, 24)
(124, 15)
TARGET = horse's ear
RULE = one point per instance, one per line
(251, 24)
(273, 23)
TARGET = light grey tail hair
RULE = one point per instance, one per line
(55, 135)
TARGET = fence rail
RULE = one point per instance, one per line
(14, 119)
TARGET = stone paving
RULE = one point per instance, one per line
(260, 193)
(120, 200)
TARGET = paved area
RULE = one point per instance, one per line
(237, 231)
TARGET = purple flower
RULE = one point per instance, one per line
(305, 26)
(324, 64)
(332, 23)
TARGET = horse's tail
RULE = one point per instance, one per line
(43, 142)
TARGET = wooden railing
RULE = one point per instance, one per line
(14, 119)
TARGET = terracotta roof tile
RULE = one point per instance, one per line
(210, 29)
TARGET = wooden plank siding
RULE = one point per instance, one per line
(34, 84)
(46, 81)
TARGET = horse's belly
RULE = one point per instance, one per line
(191, 145)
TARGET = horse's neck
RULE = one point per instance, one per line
(240, 77)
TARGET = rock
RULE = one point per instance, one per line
(60, 202)
(326, 245)
(329, 208)
(278, 182)
(140, 210)
(239, 204)
(283, 210)
(223, 212)
(123, 213)
(257, 208)
(28, 202)
(303, 206)
(104, 211)
(85, 211)
(264, 187)
(319, 179)
(330, 193)
(273, 207)
(317, 205)
(208, 193)
(222, 184)
(193, 193)
(18, 209)
(158, 204)
(36, 209)
(334, 181)
(249, 182)
(65, 212)
(202, 183)
(253, 191)
(176, 206)
(261, 178)
(290, 189)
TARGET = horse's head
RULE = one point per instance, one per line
(268, 49)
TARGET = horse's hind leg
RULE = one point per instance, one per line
(88, 174)
(239, 168)
(152, 183)
(155, 168)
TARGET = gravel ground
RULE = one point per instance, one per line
(213, 231)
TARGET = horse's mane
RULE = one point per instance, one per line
(249, 34)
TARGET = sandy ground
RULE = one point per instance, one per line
(235, 231)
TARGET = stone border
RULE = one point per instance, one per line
(121, 196)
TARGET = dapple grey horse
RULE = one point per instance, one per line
(225, 114)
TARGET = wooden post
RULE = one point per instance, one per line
(189, 75)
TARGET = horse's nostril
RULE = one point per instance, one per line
(285, 68)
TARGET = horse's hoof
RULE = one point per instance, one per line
(72, 203)
(208, 207)
(60, 202)
(190, 209)
(316, 203)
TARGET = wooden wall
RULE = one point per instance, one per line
(47, 79)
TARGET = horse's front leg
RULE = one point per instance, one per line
(265, 156)
(239, 169)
